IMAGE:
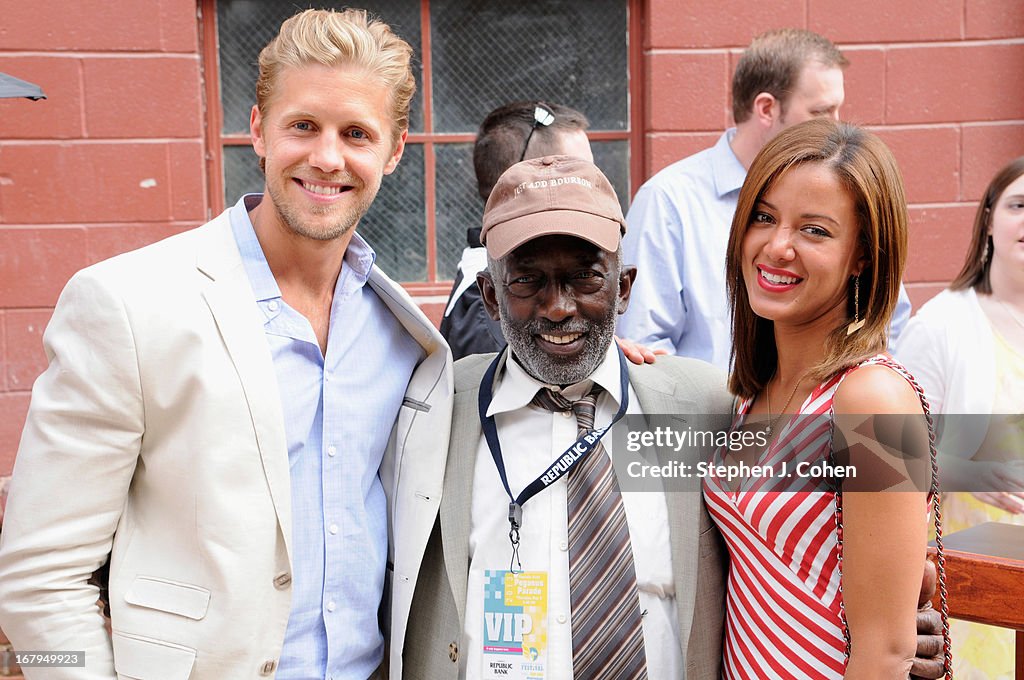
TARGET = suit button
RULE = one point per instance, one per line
(282, 580)
(268, 667)
(453, 652)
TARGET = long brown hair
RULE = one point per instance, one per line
(975, 272)
(866, 167)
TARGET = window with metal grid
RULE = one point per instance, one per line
(471, 56)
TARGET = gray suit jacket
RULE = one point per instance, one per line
(671, 386)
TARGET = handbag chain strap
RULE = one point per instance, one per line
(933, 495)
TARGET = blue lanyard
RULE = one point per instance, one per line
(560, 467)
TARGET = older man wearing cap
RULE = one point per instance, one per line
(520, 510)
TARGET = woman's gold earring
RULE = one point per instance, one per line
(858, 322)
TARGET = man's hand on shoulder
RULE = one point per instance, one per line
(637, 353)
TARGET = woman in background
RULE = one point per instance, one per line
(821, 584)
(966, 346)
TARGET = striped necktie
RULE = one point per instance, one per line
(607, 634)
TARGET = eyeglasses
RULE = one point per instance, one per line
(542, 115)
(528, 285)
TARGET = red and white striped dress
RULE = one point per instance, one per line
(783, 605)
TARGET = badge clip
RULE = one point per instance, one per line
(515, 519)
(515, 515)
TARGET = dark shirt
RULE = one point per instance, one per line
(468, 328)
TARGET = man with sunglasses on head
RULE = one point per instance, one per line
(509, 134)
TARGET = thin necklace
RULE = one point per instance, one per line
(768, 398)
(1009, 310)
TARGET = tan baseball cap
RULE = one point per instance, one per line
(551, 195)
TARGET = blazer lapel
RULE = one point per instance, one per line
(457, 508)
(684, 507)
(230, 298)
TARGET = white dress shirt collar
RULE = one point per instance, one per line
(516, 388)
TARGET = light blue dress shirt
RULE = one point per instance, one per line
(678, 232)
(339, 410)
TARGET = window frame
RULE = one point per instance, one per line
(216, 139)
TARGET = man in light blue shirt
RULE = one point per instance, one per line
(342, 358)
(679, 220)
(335, 447)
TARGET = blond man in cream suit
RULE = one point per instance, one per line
(163, 435)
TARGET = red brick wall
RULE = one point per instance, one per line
(111, 160)
(938, 80)
(114, 158)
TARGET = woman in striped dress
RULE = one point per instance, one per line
(821, 584)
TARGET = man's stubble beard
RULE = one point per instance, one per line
(552, 370)
(346, 221)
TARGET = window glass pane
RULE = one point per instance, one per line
(485, 53)
(242, 174)
(613, 159)
(490, 52)
(458, 205)
(396, 224)
(244, 27)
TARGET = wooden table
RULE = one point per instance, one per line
(985, 579)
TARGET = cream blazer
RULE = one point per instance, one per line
(155, 436)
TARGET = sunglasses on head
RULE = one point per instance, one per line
(542, 115)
